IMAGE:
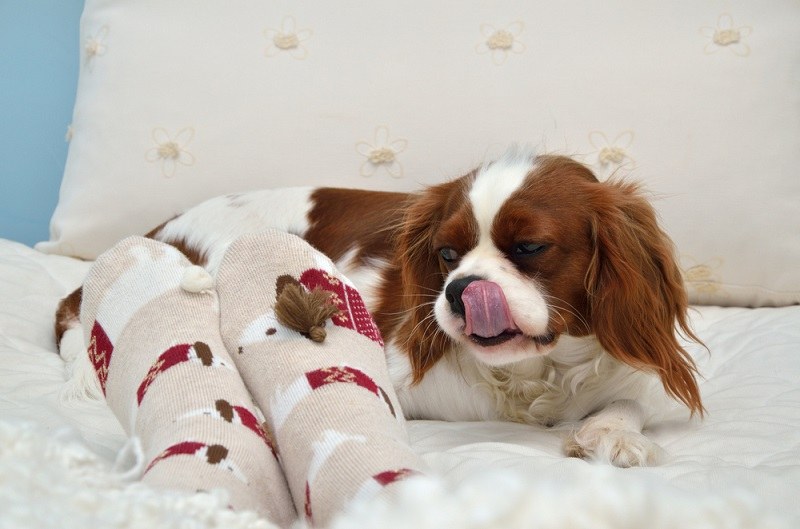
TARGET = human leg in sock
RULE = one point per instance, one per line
(152, 322)
(330, 404)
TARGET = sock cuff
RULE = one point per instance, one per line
(130, 275)
(281, 250)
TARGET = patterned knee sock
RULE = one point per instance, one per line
(338, 427)
(153, 329)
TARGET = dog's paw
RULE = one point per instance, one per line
(621, 448)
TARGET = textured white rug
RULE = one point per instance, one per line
(52, 480)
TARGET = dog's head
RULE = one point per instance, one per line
(521, 251)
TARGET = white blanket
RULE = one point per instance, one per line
(740, 467)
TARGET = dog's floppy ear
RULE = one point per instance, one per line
(422, 277)
(636, 292)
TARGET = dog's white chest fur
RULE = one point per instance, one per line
(565, 386)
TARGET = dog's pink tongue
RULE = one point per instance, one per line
(486, 310)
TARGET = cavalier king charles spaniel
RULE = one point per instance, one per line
(526, 290)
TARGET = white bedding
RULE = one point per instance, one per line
(740, 467)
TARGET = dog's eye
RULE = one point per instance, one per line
(526, 249)
(449, 255)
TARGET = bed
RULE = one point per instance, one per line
(170, 113)
(740, 467)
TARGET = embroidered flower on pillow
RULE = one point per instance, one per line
(727, 36)
(382, 153)
(287, 39)
(170, 150)
(612, 155)
(500, 42)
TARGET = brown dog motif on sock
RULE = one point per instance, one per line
(234, 414)
(213, 454)
(198, 352)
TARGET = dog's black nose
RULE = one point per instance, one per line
(453, 293)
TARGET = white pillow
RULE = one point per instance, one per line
(181, 100)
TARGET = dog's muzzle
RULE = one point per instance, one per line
(483, 306)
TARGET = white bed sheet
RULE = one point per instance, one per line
(749, 441)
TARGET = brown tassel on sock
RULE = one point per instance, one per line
(305, 312)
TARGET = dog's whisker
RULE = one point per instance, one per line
(428, 321)
(563, 306)
(409, 310)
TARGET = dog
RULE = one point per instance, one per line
(526, 290)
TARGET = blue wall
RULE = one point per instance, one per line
(39, 46)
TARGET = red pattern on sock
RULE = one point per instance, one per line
(390, 476)
(309, 514)
(184, 448)
(354, 314)
(250, 421)
(169, 358)
(346, 375)
(100, 350)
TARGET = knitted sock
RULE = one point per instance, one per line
(153, 328)
(337, 423)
